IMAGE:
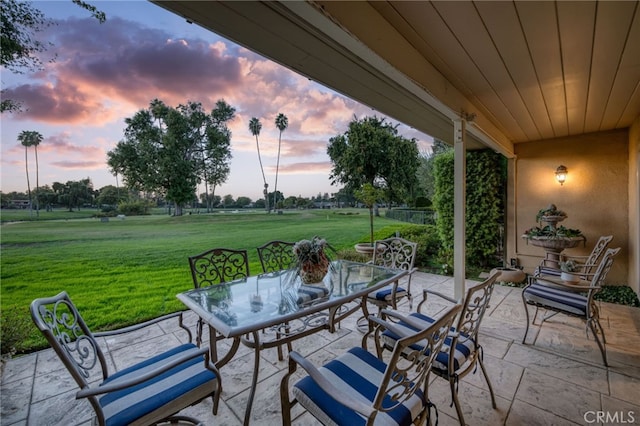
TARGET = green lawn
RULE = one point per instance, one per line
(124, 271)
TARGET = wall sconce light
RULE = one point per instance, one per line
(561, 174)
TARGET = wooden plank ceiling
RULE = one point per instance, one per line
(527, 70)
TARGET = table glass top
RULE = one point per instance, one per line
(267, 298)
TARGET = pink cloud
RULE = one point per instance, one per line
(79, 165)
(122, 61)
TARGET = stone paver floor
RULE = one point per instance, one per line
(557, 378)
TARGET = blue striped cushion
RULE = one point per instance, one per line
(384, 294)
(358, 373)
(311, 293)
(124, 406)
(543, 270)
(567, 301)
(464, 346)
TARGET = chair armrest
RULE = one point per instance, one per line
(565, 257)
(426, 292)
(398, 331)
(123, 384)
(345, 398)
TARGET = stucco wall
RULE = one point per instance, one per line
(595, 195)
(634, 206)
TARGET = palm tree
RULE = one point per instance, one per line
(255, 126)
(282, 122)
(30, 138)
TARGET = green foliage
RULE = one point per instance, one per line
(620, 294)
(443, 201)
(352, 255)
(15, 327)
(484, 197)
(371, 151)
(169, 150)
(134, 208)
(428, 242)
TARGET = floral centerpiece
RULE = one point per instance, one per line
(312, 261)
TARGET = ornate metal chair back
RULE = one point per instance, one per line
(276, 256)
(218, 265)
(410, 363)
(395, 253)
(67, 333)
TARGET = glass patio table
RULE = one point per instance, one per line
(278, 302)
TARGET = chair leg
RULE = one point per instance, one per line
(199, 326)
(526, 311)
(486, 378)
(454, 397)
(285, 403)
(603, 350)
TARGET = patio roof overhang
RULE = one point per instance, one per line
(526, 71)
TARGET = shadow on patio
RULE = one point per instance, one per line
(558, 380)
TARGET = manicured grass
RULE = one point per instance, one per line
(125, 271)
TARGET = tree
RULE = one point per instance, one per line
(30, 138)
(213, 143)
(282, 122)
(369, 195)
(20, 22)
(168, 150)
(371, 151)
(255, 126)
(74, 193)
(227, 201)
(110, 195)
(425, 169)
(243, 201)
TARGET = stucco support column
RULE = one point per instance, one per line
(459, 209)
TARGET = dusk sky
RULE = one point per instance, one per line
(104, 73)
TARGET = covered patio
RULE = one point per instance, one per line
(544, 83)
(556, 378)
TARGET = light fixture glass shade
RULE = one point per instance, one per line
(561, 174)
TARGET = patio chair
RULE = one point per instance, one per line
(359, 388)
(146, 393)
(214, 267)
(585, 264)
(461, 352)
(276, 256)
(569, 299)
(396, 253)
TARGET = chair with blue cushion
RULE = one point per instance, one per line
(395, 253)
(276, 256)
(585, 264)
(146, 393)
(359, 388)
(576, 300)
(461, 352)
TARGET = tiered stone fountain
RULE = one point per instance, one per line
(552, 239)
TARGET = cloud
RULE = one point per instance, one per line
(79, 165)
(311, 167)
(100, 66)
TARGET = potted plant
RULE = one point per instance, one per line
(368, 195)
(312, 259)
(568, 268)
